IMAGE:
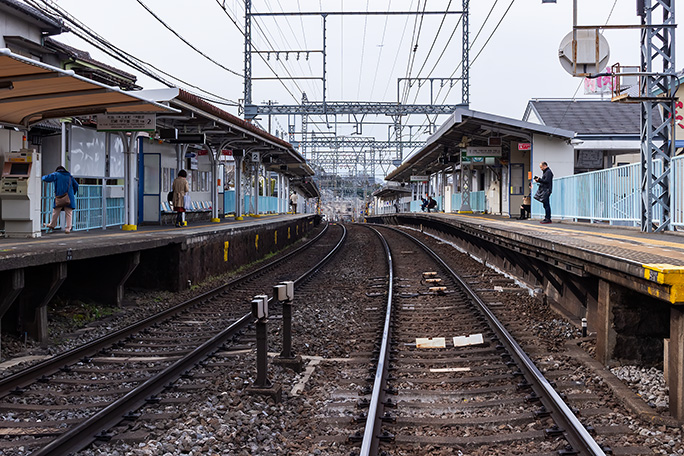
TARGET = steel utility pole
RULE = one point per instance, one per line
(326, 108)
(657, 112)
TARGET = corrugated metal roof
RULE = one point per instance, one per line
(33, 91)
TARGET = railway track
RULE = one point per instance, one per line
(442, 346)
(63, 404)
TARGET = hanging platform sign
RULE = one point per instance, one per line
(126, 122)
(419, 178)
(483, 151)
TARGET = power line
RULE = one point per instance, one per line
(223, 7)
(396, 57)
(491, 10)
(194, 48)
(382, 45)
(363, 49)
(432, 46)
(491, 35)
(86, 34)
(414, 47)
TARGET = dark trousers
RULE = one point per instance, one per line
(525, 211)
(547, 208)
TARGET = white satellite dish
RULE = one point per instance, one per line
(593, 53)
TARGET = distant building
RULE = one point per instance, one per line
(607, 133)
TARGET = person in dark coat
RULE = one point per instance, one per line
(65, 184)
(180, 188)
(544, 191)
(431, 203)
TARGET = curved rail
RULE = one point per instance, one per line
(52, 365)
(86, 432)
(371, 441)
(575, 432)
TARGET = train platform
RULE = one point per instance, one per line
(53, 247)
(98, 264)
(656, 257)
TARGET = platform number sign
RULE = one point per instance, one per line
(126, 122)
(255, 157)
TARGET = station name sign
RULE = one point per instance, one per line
(419, 178)
(483, 151)
(126, 122)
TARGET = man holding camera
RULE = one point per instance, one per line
(544, 191)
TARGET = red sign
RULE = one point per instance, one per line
(227, 152)
(524, 146)
(203, 152)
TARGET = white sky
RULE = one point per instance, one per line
(365, 55)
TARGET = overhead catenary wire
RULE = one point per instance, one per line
(234, 22)
(193, 47)
(417, 27)
(310, 83)
(491, 35)
(88, 35)
(363, 49)
(396, 57)
(382, 44)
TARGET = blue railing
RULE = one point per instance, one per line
(608, 195)
(677, 191)
(88, 214)
(266, 203)
(478, 201)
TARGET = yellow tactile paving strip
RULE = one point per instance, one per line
(636, 248)
(660, 256)
(85, 239)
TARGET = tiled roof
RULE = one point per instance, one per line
(589, 116)
(51, 24)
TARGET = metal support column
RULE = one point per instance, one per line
(465, 61)
(239, 157)
(248, 58)
(657, 139)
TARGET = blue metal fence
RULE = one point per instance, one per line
(267, 204)
(608, 195)
(89, 213)
(478, 201)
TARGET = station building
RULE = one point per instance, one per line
(60, 107)
(495, 156)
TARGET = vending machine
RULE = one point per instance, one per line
(20, 192)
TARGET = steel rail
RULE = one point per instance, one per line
(82, 435)
(371, 440)
(574, 432)
(52, 365)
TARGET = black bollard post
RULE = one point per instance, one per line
(284, 293)
(584, 327)
(262, 385)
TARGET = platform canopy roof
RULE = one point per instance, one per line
(468, 128)
(391, 191)
(32, 91)
(224, 131)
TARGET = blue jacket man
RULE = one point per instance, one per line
(65, 184)
(544, 191)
